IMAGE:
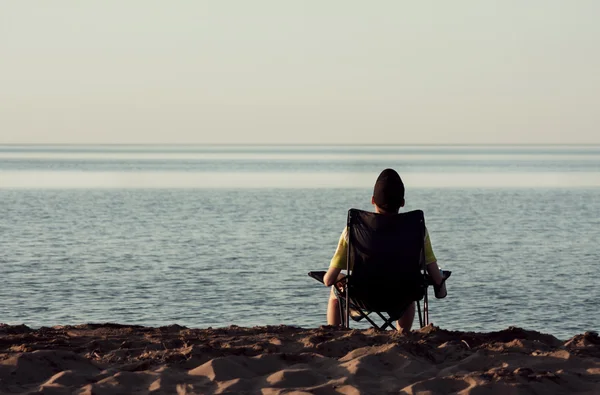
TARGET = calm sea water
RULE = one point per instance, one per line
(214, 235)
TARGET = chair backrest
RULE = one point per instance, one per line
(387, 255)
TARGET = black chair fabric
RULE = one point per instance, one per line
(388, 259)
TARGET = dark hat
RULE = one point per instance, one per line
(388, 193)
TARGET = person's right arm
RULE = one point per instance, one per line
(434, 271)
(431, 262)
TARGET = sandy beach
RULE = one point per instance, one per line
(118, 359)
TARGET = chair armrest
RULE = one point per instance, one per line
(317, 276)
(429, 280)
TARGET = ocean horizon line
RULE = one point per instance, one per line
(179, 144)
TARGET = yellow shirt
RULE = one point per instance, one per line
(339, 258)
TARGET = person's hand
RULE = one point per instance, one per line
(339, 284)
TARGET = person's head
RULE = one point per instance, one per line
(388, 193)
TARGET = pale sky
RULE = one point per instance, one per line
(376, 72)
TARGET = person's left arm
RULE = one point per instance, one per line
(332, 276)
(338, 262)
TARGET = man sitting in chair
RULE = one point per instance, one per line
(388, 197)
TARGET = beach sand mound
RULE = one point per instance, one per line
(119, 359)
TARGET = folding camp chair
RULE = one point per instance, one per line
(385, 268)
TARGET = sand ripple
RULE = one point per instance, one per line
(117, 359)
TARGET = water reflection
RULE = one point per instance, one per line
(175, 179)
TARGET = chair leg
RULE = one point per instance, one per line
(342, 309)
(426, 309)
(371, 321)
(420, 316)
(386, 322)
